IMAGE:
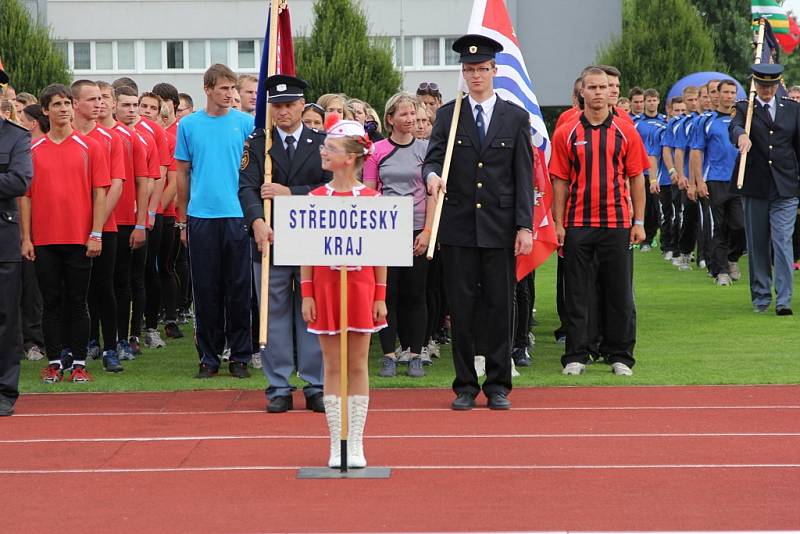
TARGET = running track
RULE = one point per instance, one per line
(564, 459)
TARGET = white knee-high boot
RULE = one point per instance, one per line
(333, 413)
(357, 406)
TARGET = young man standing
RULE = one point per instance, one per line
(690, 210)
(593, 224)
(649, 121)
(248, 91)
(637, 98)
(209, 151)
(62, 222)
(486, 219)
(87, 104)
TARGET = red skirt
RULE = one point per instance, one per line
(360, 299)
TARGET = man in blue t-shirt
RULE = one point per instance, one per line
(677, 109)
(208, 152)
(711, 140)
(646, 123)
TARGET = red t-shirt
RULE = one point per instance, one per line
(114, 151)
(157, 131)
(64, 176)
(597, 161)
(153, 158)
(169, 210)
(135, 156)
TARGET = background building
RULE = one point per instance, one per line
(176, 40)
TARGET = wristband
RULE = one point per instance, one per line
(180, 226)
(140, 227)
(95, 238)
(307, 289)
(638, 222)
(98, 235)
(151, 213)
(672, 171)
(523, 229)
(380, 292)
(653, 181)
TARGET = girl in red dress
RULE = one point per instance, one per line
(343, 154)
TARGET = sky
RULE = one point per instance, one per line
(793, 5)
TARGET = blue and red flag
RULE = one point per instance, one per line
(284, 63)
(490, 18)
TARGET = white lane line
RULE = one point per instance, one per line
(421, 410)
(104, 470)
(627, 435)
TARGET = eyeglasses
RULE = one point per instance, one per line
(428, 86)
(480, 70)
(313, 105)
(330, 150)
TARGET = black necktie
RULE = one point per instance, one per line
(479, 122)
(290, 146)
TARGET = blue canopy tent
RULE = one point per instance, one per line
(701, 78)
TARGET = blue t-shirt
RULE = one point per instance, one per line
(645, 125)
(654, 144)
(682, 138)
(719, 155)
(214, 147)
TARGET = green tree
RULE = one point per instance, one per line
(661, 42)
(732, 34)
(28, 54)
(339, 57)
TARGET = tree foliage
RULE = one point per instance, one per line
(28, 54)
(339, 57)
(728, 22)
(661, 42)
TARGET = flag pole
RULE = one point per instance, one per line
(749, 118)
(448, 156)
(263, 314)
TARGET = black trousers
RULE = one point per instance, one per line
(604, 255)
(436, 302)
(670, 219)
(705, 228)
(561, 306)
(167, 256)
(796, 238)
(152, 279)
(222, 270)
(406, 302)
(10, 330)
(727, 217)
(523, 308)
(651, 218)
(63, 272)
(31, 307)
(480, 278)
(184, 276)
(126, 285)
(690, 221)
(102, 298)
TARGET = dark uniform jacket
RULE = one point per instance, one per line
(490, 187)
(302, 175)
(772, 167)
(16, 172)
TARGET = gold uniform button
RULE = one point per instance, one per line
(480, 184)
(478, 206)
(480, 165)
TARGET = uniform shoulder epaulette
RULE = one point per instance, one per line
(258, 132)
(741, 100)
(787, 99)
(318, 133)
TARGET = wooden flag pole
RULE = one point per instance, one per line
(343, 385)
(265, 253)
(749, 118)
(448, 156)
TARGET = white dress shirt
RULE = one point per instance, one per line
(296, 134)
(772, 103)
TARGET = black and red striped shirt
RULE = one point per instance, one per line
(596, 161)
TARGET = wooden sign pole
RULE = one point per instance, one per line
(749, 118)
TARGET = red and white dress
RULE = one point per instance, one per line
(360, 285)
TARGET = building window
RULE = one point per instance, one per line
(247, 54)
(450, 57)
(219, 51)
(197, 54)
(126, 58)
(406, 50)
(152, 55)
(430, 52)
(174, 54)
(63, 48)
(103, 55)
(82, 56)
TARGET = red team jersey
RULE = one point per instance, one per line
(153, 157)
(169, 210)
(64, 175)
(114, 150)
(157, 132)
(135, 156)
(596, 162)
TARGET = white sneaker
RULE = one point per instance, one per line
(226, 355)
(403, 355)
(514, 372)
(702, 264)
(425, 356)
(574, 369)
(685, 263)
(668, 255)
(735, 272)
(152, 339)
(645, 248)
(255, 361)
(433, 349)
(620, 369)
(724, 279)
(480, 365)
(34, 354)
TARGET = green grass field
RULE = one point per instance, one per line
(689, 332)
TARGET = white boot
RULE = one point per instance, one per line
(333, 413)
(357, 406)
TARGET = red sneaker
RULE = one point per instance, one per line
(79, 375)
(52, 374)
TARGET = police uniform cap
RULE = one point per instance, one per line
(475, 48)
(767, 73)
(283, 88)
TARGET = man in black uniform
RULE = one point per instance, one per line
(296, 170)
(16, 171)
(486, 219)
(771, 187)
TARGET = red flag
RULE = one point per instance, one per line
(285, 63)
(789, 41)
(544, 232)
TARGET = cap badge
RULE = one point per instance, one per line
(281, 87)
(473, 49)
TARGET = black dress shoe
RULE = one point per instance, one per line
(498, 401)
(315, 403)
(464, 401)
(783, 311)
(521, 357)
(280, 404)
(6, 407)
(238, 370)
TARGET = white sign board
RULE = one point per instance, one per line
(311, 230)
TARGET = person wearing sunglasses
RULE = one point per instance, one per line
(314, 117)
(430, 95)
